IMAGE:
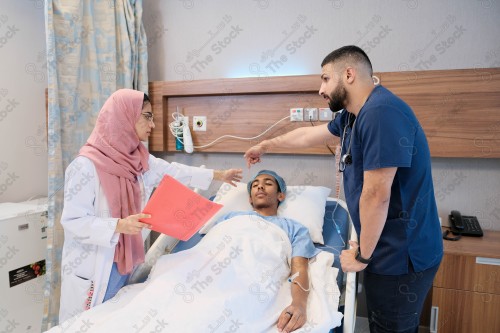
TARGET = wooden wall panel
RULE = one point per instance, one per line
(244, 116)
(458, 109)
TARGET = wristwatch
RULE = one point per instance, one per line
(361, 259)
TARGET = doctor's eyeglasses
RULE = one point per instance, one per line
(149, 116)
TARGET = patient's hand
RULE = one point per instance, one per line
(230, 176)
(292, 318)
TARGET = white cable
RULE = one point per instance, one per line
(292, 278)
(178, 124)
(242, 138)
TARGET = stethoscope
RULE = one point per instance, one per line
(346, 159)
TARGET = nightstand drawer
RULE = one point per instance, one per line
(464, 311)
(463, 272)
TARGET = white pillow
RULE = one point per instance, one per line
(304, 204)
(232, 199)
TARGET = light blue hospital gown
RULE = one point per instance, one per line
(302, 245)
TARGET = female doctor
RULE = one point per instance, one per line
(106, 188)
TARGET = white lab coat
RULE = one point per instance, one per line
(89, 228)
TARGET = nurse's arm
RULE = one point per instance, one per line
(302, 137)
(374, 206)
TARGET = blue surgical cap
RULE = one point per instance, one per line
(279, 180)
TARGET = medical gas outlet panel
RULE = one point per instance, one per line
(310, 114)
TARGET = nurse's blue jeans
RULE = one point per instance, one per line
(115, 283)
(395, 301)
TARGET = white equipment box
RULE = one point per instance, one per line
(23, 246)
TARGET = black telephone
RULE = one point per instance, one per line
(463, 226)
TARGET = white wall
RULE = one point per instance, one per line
(23, 79)
(176, 27)
(254, 35)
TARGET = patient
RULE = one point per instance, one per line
(266, 191)
(233, 280)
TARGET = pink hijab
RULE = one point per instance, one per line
(119, 157)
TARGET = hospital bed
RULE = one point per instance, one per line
(337, 230)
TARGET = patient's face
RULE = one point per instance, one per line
(264, 192)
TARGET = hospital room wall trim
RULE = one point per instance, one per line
(456, 108)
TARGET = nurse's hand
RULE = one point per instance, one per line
(348, 259)
(131, 224)
(230, 176)
(253, 154)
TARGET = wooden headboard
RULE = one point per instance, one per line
(458, 109)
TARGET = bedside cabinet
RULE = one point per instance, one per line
(466, 289)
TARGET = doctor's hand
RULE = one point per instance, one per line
(230, 176)
(292, 318)
(348, 259)
(131, 224)
(253, 154)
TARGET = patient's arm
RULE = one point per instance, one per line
(294, 316)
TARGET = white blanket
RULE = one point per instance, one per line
(234, 280)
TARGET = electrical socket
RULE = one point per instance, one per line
(297, 114)
(325, 114)
(311, 114)
(199, 123)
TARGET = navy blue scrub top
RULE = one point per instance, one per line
(387, 134)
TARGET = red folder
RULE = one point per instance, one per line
(177, 211)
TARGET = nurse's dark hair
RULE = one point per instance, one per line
(349, 53)
(145, 99)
